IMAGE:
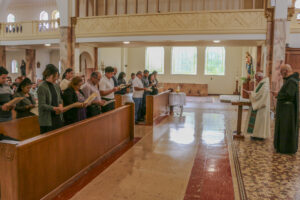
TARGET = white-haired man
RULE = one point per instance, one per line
(258, 120)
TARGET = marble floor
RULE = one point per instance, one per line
(194, 157)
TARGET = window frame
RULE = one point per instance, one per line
(205, 61)
(16, 67)
(163, 60)
(196, 62)
(10, 15)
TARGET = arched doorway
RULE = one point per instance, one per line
(86, 66)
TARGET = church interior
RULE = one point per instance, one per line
(149, 99)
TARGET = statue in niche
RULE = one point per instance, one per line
(249, 66)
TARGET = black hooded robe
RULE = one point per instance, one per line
(286, 123)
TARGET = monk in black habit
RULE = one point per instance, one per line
(286, 124)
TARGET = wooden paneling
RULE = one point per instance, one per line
(33, 168)
(156, 106)
(21, 129)
(188, 89)
(292, 57)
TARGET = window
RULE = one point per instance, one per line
(297, 5)
(44, 17)
(55, 16)
(184, 60)
(215, 61)
(11, 18)
(155, 59)
(14, 66)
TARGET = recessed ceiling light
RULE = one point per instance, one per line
(126, 42)
(47, 45)
(216, 41)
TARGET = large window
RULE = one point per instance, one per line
(155, 59)
(184, 60)
(55, 16)
(14, 66)
(11, 18)
(215, 61)
(44, 17)
(297, 5)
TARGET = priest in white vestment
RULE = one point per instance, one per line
(258, 120)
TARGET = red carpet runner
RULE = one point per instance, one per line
(211, 177)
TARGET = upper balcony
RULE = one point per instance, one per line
(29, 30)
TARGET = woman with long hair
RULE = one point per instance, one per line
(122, 81)
(24, 107)
(66, 79)
(50, 101)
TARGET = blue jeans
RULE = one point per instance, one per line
(138, 105)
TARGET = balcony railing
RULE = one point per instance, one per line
(29, 30)
(203, 22)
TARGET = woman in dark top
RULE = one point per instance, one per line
(152, 84)
(72, 95)
(122, 81)
(50, 102)
(23, 107)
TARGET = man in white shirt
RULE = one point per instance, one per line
(138, 92)
(107, 89)
(90, 87)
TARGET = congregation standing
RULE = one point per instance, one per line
(64, 103)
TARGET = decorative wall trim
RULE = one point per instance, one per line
(213, 22)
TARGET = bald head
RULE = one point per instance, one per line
(285, 70)
(259, 76)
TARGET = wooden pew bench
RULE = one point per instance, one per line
(42, 166)
(21, 129)
(157, 107)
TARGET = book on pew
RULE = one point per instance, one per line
(109, 102)
(91, 98)
(14, 101)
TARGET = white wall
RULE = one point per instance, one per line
(26, 11)
(235, 61)
(43, 55)
(17, 55)
(111, 57)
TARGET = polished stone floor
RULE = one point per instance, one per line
(194, 157)
(181, 158)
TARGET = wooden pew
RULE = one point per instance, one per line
(21, 129)
(42, 166)
(157, 107)
(121, 100)
(188, 88)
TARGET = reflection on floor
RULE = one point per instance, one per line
(181, 158)
(193, 157)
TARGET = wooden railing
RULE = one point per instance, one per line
(42, 166)
(157, 106)
(29, 30)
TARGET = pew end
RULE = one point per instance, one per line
(21, 129)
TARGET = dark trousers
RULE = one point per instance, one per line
(56, 124)
(108, 107)
(138, 103)
(93, 110)
(143, 111)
